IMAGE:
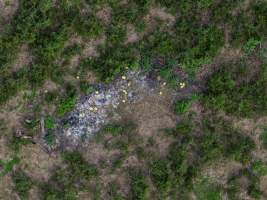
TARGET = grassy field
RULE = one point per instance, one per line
(207, 143)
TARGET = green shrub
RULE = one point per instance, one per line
(139, 187)
(160, 174)
(263, 138)
(182, 106)
(245, 99)
(66, 106)
(49, 122)
(66, 182)
(22, 183)
(206, 190)
(259, 168)
(50, 137)
(7, 166)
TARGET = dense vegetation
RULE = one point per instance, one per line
(193, 38)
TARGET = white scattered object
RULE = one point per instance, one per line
(182, 85)
(123, 77)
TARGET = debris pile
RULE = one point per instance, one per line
(91, 112)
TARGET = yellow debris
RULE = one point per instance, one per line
(123, 77)
(91, 108)
(124, 91)
(95, 109)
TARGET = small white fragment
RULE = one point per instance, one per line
(160, 93)
(123, 77)
(91, 108)
(95, 109)
(123, 101)
(77, 77)
(164, 83)
(96, 92)
(182, 85)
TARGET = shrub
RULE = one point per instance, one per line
(182, 106)
(206, 190)
(50, 137)
(245, 99)
(263, 138)
(67, 181)
(49, 122)
(22, 183)
(139, 187)
(66, 106)
(160, 174)
(7, 166)
(259, 168)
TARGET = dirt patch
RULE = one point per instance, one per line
(254, 128)
(221, 170)
(23, 58)
(104, 15)
(37, 163)
(162, 14)
(90, 49)
(6, 188)
(7, 10)
(152, 113)
(132, 35)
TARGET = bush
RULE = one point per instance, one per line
(67, 181)
(66, 106)
(160, 174)
(7, 166)
(245, 99)
(206, 190)
(22, 183)
(263, 138)
(139, 187)
(49, 122)
(259, 168)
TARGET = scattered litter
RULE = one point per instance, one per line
(160, 93)
(91, 112)
(77, 77)
(182, 85)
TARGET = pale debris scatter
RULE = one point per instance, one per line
(91, 112)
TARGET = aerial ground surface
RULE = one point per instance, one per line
(133, 99)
